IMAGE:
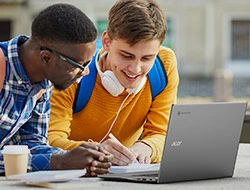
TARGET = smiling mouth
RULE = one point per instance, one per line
(131, 76)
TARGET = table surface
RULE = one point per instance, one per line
(240, 180)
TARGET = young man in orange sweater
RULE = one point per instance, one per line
(121, 102)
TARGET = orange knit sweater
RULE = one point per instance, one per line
(139, 117)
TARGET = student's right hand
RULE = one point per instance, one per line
(93, 157)
(122, 155)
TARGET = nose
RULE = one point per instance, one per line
(78, 80)
(84, 73)
(135, 67)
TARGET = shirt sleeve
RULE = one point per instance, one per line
(36, 162)
(34, 134)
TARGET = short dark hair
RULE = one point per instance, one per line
(63, 23)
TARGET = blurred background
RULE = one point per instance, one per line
(211, 39)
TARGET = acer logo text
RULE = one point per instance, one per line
(176, 143)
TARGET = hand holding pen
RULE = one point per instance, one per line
(115, 139)
(122, 155)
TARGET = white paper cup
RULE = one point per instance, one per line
(15, 159)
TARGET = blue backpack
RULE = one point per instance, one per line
(157, 77)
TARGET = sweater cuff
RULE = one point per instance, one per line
(154, 155)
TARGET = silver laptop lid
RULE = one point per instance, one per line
(202, 141)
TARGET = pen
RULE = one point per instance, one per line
(115, 139)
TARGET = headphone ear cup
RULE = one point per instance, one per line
(113, 86)
(111, 83)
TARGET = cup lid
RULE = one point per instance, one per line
(15, 149)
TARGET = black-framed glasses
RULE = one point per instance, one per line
(65, 58)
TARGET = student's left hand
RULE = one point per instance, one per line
(142, 152)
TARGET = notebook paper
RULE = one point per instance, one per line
(134, 168)
(49, 176)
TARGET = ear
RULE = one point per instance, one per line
(45, 57)
(105, 41)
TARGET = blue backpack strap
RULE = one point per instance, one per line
(4, 47)
(85, 87)
(157, 77)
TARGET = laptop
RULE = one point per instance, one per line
(201, 143)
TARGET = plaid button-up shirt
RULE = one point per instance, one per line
(23, 117)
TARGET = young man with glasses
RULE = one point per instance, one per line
(72, 62)
(54, 54)
(121, 102)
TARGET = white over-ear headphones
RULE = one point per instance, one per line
(111, 83)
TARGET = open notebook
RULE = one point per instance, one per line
(201, 143)
(134, 168)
